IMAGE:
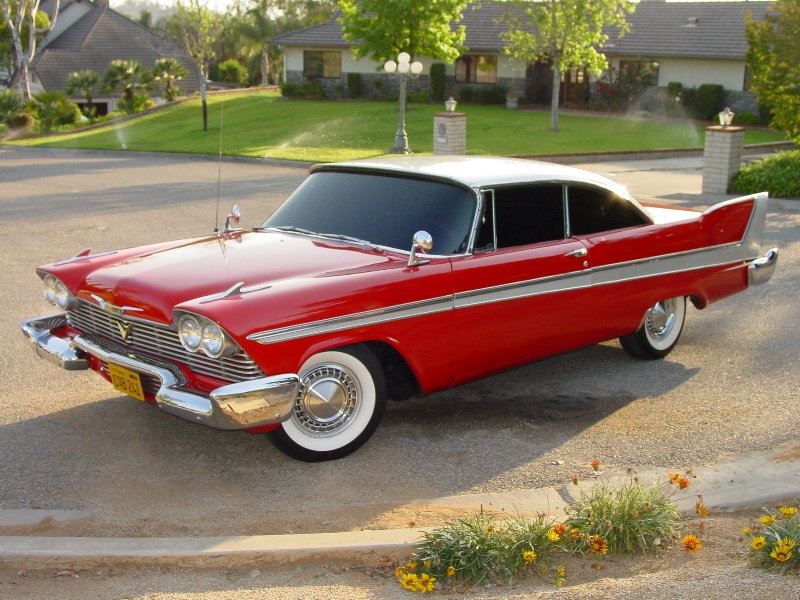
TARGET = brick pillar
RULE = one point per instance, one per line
(722, 157)
(450, 133)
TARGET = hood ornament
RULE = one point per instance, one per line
(115, 310)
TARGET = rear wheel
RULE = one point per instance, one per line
(660, 330)
(341, 401)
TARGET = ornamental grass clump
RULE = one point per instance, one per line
(627, 519)
(481, 550)
(773, 541)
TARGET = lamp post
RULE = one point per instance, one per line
(404, 69)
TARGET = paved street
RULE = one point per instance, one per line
(69, 442)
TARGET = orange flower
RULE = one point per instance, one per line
(691, 543)
(683, 483)
(595, 465)
(598, 545)
(575, 479)
(560, 528)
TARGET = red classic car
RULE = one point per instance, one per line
(387, 278)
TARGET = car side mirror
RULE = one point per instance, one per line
(421, 242)
(234, 216)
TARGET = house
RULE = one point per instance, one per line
(89, 35)
(691, 43)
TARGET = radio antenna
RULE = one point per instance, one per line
(219, 165)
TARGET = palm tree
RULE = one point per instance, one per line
(129, 76)
(168, 71)
(83, 82)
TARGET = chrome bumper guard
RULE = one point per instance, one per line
(244, 405)
(761, 269)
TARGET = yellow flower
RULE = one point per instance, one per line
(412, 565)
(561, 571)
(410, 582)
(553, 536)
(529, 556)
(786, 544)
(782, 553)
(426, 564)
(399, 572)
(575, 534)
(746, 530)
(768, 519)
(598, 545)
(425, 583)
(758, 543)
(691, 543)
(700, 508)
(788, 511)
(451, 570)
(673, 477)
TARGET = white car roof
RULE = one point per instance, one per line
(483, 171)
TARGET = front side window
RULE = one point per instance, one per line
(521, 215)
(319, 64)
(475, 68)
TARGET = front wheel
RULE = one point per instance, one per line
(659, 332)
(340, 402)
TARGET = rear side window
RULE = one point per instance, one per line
(593, 210)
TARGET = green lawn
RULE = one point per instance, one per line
(263, 125)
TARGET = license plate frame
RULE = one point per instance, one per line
(126, 381)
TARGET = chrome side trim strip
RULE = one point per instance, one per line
(371, 317)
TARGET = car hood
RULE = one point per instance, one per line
(155, 282)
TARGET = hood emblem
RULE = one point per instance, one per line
(115, 310)
(125, 329)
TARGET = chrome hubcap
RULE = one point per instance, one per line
(327, 399)
(660, 319)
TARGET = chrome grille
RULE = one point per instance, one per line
(159, 341)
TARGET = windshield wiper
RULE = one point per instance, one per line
(288, 228)
(348, 238)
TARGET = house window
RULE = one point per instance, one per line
(319, 64)
(639, 71)
(474, 68)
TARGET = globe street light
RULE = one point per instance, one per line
(404, 69)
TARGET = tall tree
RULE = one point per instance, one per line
(197, 29)
(568, 33)
(25, 24)
(384, 28)
(774, 59)
(130, 77)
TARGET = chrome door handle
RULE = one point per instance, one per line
(579, 253)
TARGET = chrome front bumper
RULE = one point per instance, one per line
(761, 269)
(244, 405)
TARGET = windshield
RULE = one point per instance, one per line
(381, 209)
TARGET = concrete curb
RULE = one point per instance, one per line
(746, 481)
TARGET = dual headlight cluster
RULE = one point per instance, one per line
(56, 293)
(199, 334)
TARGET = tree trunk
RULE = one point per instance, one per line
(554, 96)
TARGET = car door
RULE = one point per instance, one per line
(524, 292)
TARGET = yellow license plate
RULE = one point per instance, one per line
(126, 381)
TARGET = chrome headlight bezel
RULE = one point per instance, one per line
(57, 294)
(199, 334)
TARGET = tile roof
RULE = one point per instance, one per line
(97, 38)
(658, 29)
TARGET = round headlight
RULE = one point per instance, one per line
(190, 330)
(62, 295)
(213, 339)
(50, 289)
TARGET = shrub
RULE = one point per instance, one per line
(778, 174)
(354, 85)
(11, 104)
(137, 104)
(710, 101)
(232, 71)
(289, 89)
(20, 120)
(437, 82)
(628, 519)
(773, 541)
(419, 97)
(466, 94)
(493, 94)
(53, 109)
(745, 118)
